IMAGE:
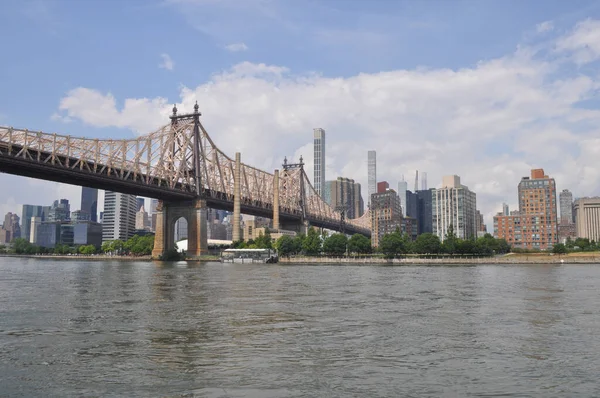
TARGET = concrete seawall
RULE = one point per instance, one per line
(444, 261)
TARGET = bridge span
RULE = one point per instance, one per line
(180, 165)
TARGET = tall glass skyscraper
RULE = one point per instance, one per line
(319, 162)
(372, 174)
(89, 202)
(30, 211)
(402, 188)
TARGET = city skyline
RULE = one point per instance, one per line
(446, 127)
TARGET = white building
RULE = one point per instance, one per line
(454, 204)
(402, 188)
(587, 218)
(319, 161)
(119, 216)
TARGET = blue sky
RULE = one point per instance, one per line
(393, 69)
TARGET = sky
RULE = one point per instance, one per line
(483, 89)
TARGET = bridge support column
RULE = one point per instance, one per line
(167, 213)
(276, 200)
(237, 193)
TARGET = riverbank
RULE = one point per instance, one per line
(512, 258)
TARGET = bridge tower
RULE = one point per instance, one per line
(289, 184)
(194, 211)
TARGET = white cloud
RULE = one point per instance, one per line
(582, 44)
(236, 47)
(545, 26)
(167, 63)
(489, 123)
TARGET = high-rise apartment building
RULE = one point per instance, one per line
(386, 215)
(119, 216)
(319, 162)
(372, 174)
(534, 225)
(402, 188)
(89, 202)
(537, 207)
(505, 209)
(587, 218)
(454, 204)
(344, 192)
(28, 212)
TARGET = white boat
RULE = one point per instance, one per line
(249, 256)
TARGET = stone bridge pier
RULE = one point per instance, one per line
(167, 213)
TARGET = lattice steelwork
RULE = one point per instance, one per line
(166, 159)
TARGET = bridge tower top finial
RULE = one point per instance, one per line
(285, 160)
(301, 162)
(196, 107)
(174, 110)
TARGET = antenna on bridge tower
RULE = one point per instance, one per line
(417, 181)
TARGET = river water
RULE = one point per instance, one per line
(84, 328)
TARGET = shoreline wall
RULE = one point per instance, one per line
(444, 261)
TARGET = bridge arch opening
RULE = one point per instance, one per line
(180, 233)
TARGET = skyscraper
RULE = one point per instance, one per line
(372, 174)
(454, 204)
(59, 211)
(89, 202)
(566, 225)
(345, 192)
(30, 211)
(11, 225)
(402, 188)
(152, 215)
(505, 209)
(119, 216)
(566, 206)
(319, 162)
(140, 203)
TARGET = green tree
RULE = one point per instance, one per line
(335, 244)
(299, 243)
(312, 243)
(264, 241)
(392, 245)
(21, 245)
(87, 249)
(451, 242)
(285, 246)
(466, 246)
(559, 248)
(428, 243)
(359, 244)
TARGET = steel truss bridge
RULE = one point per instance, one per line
(176, 163)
